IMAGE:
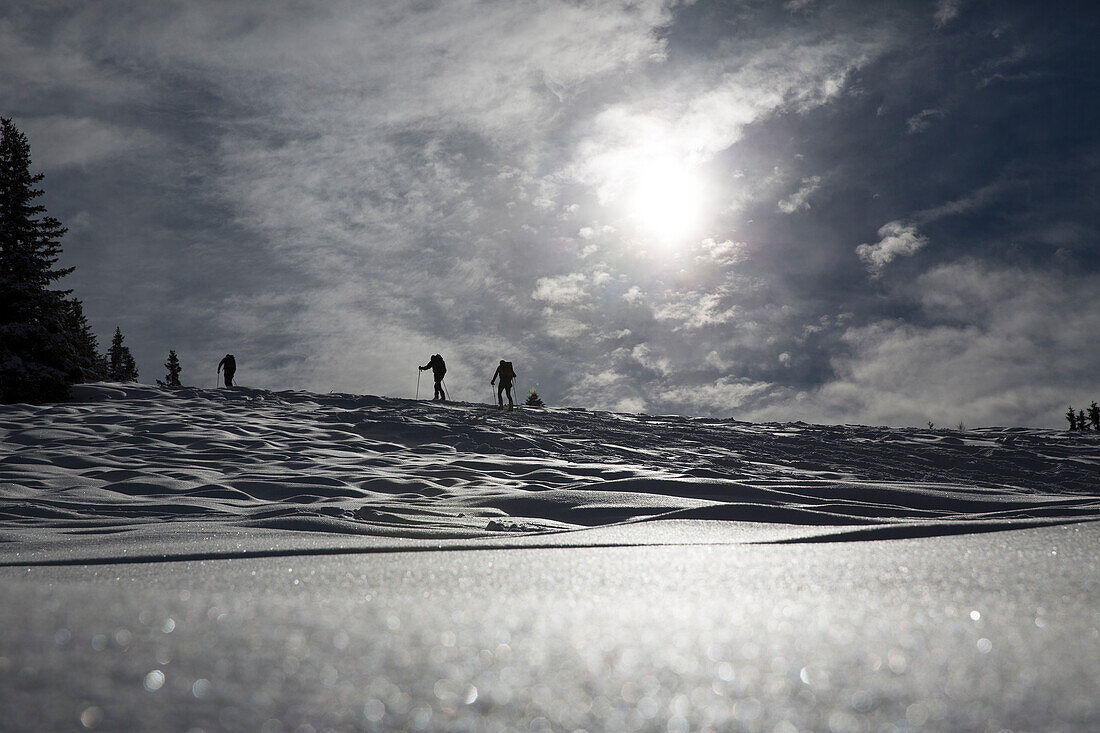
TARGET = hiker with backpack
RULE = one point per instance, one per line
(439, 370)
(507, 375)
(230, 365)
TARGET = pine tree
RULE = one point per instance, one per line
(36, 346)
(90, 365)
(172, 378)
(1081, 422)
(533, 399)
(120, 363)
(1094, 415)
(1072, 417)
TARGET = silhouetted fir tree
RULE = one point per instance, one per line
(172, 378)
(90, 365)
(1072, 417)
(533, 400)
(120, 363)
(1082, 423)
(1094, 415)
(36, 346)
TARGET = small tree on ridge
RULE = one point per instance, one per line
(120, 363)
(172, 378)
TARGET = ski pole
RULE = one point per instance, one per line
(443, 383)
(417, 384)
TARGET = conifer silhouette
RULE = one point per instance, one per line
(1072, 417)
(90, 365)
(120, 363)
(1081, 423)
(172, 378)
(533, 399)
(40, 331)
(1094, 415)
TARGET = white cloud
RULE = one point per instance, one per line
(562, 289)
(799, 200)
(726, 396)
(922, 120)
(726, 252)
(1025, 349)
(897, 239)
(695, 310)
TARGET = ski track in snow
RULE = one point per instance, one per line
(128, 456)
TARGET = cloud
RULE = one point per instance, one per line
(799, 200)
(897, 239)
(59, 141)
(726, 397)
(922, 120)
(972, 201)
(55, 67)
(1004, 347)
(562, 289)
(793, 6)
(726, 252)
(946, 11)
(707, 111)
(694, 310)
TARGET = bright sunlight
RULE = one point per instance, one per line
(665, 198)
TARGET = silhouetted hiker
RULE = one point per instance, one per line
(506, 374)
(439, 370)
(230, 365)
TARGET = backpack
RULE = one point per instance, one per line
(439, 365)
(507, 373)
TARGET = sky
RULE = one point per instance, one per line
(836, 212)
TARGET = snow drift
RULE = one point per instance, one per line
(129, 461)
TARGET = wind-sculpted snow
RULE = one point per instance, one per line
(123, 458)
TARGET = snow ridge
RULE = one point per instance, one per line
(132, 458)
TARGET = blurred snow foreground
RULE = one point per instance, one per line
(233, 472)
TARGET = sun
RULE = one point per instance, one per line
(664, 198)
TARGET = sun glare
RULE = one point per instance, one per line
(665, 199)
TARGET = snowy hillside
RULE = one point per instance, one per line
(133, 461)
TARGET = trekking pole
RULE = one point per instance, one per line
(443, 384)
(417, 384)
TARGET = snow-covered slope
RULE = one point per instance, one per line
(134, 460)
(247, 560)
